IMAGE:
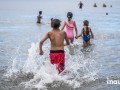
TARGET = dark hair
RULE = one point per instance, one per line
(55, 23)
(86, 23)
(40, 12)
(51, 19)
(69, 15)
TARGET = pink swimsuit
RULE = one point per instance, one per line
(69, 29)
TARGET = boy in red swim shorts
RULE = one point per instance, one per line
(57, 37)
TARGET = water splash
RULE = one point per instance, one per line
(78, 67)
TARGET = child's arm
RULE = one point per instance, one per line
(66, 39)
(76, 29)
(79, 35)
(63, 26)
(92, 35)
(41, 43)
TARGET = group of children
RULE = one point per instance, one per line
(57, 37)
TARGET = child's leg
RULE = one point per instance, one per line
(65, 44)
(60, 67)
(84, 44)
(71, 40)
(88, 43)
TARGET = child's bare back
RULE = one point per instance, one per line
(57, 39)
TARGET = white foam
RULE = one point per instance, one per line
(77, 68)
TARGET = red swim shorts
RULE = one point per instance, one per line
(58, 57)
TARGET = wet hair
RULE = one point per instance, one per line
(55, 23)
(69, 15)
(40, 12)
(86, 23)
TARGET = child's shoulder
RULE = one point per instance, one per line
(74, 22)
(85, 27)
(89, 28)
(63, 32)
(52, 31)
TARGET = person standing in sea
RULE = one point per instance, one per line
(39, 17)
(80, 5)
(86, 34)
(70, 26)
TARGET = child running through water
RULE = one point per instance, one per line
(56, 37)
(86, 33)
(70, 25)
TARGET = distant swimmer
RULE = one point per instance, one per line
(56, 37)
(39, 17)
(86, 34)
(80, 5)
(104, 5)
(95, 5)
(106, 13)
(70, 26)
(110, 5)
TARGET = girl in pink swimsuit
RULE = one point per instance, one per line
(70, 26)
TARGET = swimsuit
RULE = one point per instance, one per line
(58, 57)
(86, 38)
(69, 29)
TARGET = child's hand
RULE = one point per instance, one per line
(92, 36)
(41, 52)
(76, 37)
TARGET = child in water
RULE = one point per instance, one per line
(70, 25)
(56, 37)
(39, 17)
(80, 5)
(86, 33)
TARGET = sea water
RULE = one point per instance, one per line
(21, 66)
